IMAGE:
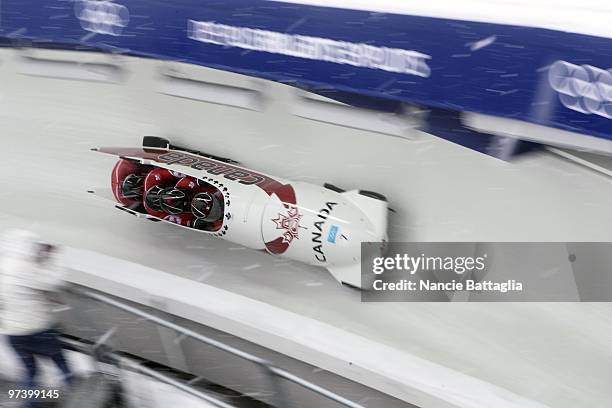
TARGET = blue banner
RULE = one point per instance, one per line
(553, 78)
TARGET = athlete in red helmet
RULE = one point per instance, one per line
(164, 200)
(205, 203)
(127, 182)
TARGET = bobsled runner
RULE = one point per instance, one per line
(317, 225)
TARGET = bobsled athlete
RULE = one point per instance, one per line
(127, 182)
(205, 203)
(164, 200)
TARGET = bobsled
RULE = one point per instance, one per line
(317, 225)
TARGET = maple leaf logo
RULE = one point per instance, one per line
(290, 223)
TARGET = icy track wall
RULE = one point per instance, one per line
(398, 53)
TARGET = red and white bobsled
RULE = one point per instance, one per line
(322, 226)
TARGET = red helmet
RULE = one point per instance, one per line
(207, 207)
(173, 201)
(152, 198)
(132, 186)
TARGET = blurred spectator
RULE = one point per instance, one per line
(28, 279)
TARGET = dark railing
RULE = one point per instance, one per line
(136, 366)
(271, 370)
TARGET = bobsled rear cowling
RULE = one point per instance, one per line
(325, 228)
(300, 221)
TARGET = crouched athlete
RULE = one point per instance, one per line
(164, 200)
(205, 202)
(127, 183)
